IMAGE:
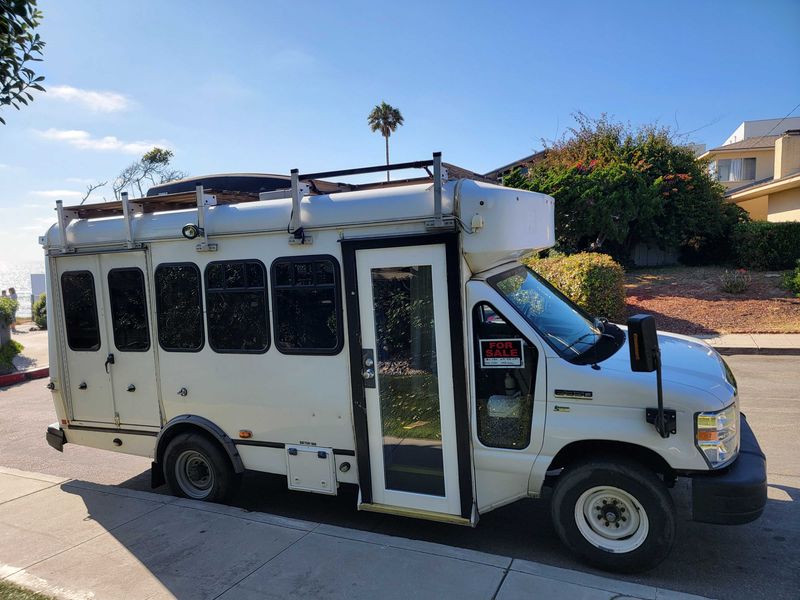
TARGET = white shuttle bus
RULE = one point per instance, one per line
(386, 336)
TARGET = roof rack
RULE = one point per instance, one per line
(302, 185)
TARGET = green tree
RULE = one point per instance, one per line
(386, 119)
(154, 167)
(19, 47)
(615, 187)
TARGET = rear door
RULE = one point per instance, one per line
(107, 339)
(126, 304)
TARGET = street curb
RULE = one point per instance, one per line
(12, 378)
(732, 351)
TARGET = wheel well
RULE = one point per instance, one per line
(180, 428)
(596, 448)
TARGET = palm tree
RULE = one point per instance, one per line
(385, 118)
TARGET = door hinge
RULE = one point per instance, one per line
(116, 419)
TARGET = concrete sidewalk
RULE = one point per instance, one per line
(78, 540)
(754, 343)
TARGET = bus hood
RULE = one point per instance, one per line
(685, 361)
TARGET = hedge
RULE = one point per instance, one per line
(766, 246)
(7, 309)
(595, 282)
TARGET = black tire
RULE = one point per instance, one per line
(592, 483)
(195, 467)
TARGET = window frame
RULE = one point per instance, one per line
(158, 306)
(532, 364)
(736, 169)
(267, 306)
(96, 319)
(146, 307)
(337, 299)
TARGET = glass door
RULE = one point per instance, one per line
(408, 378)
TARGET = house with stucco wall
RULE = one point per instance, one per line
(759, 166)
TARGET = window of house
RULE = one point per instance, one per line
(306, 305)
(505, 379)
(236, 303)
(80, 310)
(735, 169)
(180, 307)
(128, 309)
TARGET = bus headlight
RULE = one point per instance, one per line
(717, 435)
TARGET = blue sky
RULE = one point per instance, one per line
(268, 86)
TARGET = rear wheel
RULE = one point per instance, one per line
(195, 467)
(616, 514)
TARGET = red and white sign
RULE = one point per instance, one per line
(502, 354)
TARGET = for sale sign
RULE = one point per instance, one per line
(502, 354)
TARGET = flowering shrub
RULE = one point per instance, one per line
(734, 282)
(616, 186)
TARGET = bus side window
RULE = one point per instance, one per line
(179, 307)
(306, 305)
(505, 378)
(236, 302)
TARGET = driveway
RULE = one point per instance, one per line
(758, 559)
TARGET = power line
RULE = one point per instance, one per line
(776, 125)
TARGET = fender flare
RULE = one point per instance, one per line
(192, 422)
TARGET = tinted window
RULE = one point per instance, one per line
(179, 307)
(236, 301)
(128, 310)
(505, 378)
(306, 305)
(80, 310)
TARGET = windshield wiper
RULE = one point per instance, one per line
(600, 334)
(583, 337)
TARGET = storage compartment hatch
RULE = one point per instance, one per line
(311, 469)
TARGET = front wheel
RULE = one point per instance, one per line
(195, 467)
(615, 514)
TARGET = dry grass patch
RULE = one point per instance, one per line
(689, 300)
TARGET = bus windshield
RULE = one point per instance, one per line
(565, 327)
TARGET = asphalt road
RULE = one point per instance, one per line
(761, 559)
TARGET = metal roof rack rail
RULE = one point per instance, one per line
(305, 184)
(300, 187)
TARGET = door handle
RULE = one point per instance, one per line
(109, 360)
(131, 388)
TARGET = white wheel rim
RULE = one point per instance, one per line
(611, 519)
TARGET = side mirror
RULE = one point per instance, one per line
(643, 343)
(646, 357)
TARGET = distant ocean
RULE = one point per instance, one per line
(18, 276)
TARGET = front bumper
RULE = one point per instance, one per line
(56, 437)
(736, 494)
